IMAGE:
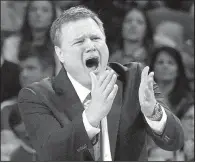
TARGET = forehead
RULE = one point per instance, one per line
(134, 13)
(165, 55)
(31, 61)
(79, 28)
(40, 4)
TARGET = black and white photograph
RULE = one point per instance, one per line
(97, 80)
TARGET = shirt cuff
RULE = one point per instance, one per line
(91, 131)
(158, 126)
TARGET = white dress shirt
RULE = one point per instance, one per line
(82, 92)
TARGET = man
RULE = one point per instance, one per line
(34, 67)
(62, 127)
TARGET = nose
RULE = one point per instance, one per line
(89, 45)
(38, 12)
(165, 65)
(24, 73)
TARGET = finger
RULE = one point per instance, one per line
(150, 81)
(110, 86)
(144, 74)
(103, 77)
(107, 80)
(113, 93)
(93, 80)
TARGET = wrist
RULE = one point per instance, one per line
(157, 113)
(92, 120)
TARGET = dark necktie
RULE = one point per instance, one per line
(96, 139)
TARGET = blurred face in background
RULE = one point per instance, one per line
(31, 71)
(165, 67)
(134, 26)
(40, 14)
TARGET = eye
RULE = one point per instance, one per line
(79, 42)
(160, 62)
(95, 38)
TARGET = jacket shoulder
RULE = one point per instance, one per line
(45, 85)
(129, 67)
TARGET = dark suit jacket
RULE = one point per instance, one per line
(56, 127)
(11, 120)
(10, 85)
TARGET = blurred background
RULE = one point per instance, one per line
(159, 34)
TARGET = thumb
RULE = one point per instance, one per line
(93, 80)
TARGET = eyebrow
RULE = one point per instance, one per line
(85, 36)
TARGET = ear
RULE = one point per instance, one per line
(59, 53)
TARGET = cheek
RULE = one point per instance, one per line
(103, 50)
(142, 30)
(31, 18)
(158, 68)
(174, 71)
(47, 18)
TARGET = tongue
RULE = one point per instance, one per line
(93, 68)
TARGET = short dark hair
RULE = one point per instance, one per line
(72, 14)
(44, 55)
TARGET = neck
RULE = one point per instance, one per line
(130, 46)
(166, 87)
(39, 36)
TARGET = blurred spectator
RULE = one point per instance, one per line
(38, 18)
(12, 15)
(188, 57)
(136, 38)
(187, 120)
(170, 76)
(9, 78)
(35, 65)
(169, 33)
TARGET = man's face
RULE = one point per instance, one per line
(31, 71)
(83, 49)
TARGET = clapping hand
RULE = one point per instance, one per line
(146, 93)
(103, 93)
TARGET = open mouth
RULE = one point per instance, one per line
(92, 63)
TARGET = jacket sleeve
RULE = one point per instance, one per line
(52, 141)
(172, 137)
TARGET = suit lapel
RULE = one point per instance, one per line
(67, 99)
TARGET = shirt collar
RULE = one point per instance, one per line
(82, 91)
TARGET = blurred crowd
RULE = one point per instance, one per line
(159, 34)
